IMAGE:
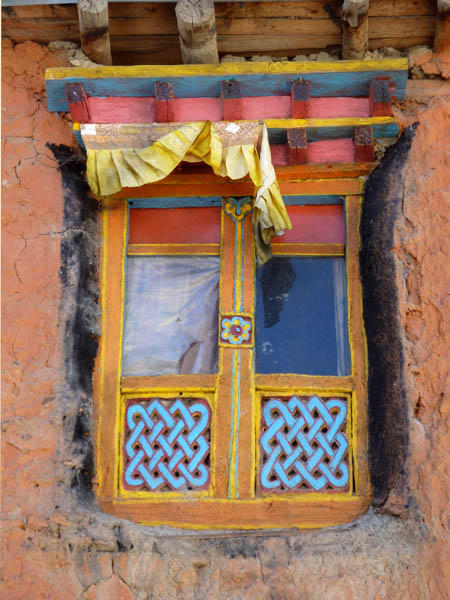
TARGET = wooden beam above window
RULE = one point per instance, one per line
(94, 30)
(355, 28)
(197, 30)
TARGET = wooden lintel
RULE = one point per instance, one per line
(94, 30)
(78, 102)
(355, 28)
(176, 186)
(380, 98)
(363, 140)
(333, 79)
(164, 109)
(300, 100)
(258, 513)
(442, 31)
(197, 31)
(297, 144)
(425, 89)
(232, 100)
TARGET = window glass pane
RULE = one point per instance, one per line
(301, 316)
(171, 315)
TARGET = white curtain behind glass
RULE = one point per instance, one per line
(171, 315)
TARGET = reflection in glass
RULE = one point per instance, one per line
(171, 315)
(301, 316)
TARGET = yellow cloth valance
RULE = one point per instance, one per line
(133, 155)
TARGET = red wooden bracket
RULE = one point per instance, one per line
(232, 100)
(78, 102)
(164, 109)
(300, 99)
(297, 144)
(380, 98)
(363, 140)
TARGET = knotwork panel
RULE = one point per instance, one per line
(303, 445)
(167, 445)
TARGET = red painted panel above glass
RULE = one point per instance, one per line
(315, 225)
(191, 225)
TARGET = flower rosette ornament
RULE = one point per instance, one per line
(236, 330)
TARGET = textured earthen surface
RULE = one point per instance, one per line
(56, 542)
(424, 63)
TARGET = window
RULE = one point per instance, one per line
(254, 380)
(231, 396)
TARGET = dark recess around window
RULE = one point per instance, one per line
(388, 411)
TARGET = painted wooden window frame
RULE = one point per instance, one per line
(214, 509)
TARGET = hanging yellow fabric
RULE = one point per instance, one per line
(133, 155)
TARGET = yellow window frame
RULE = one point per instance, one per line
(214, 509)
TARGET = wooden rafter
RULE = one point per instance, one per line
(94, 30)
(197, 30)
(442, 32)
(355, 28)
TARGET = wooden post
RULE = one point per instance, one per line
(363, 140)
(297, 146)
(164, 102)
(355, 28)
(93, 20)
(78, 102)
(380, 98)
(197, 30)
(300, 100)
(442, 31)
(232, 100)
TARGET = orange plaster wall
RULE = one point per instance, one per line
(58, 546)
(422, 249)
(31, 342)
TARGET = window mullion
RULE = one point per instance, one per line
(235, 402)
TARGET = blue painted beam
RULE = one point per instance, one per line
(78, 138)
(316, 134)
(329, 84)
(312, 200)
(192, 201)
(199, 201)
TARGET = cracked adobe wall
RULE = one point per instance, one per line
(56, 543)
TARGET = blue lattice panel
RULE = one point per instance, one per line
(303, 445)
(167, 445)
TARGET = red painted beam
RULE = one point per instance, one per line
(331, 151)
(335, 108)
(164, 105)
(232, 100)
(326, 151)
(142, 110)
(300, 100)
(78, 103)
(363, 140)
(297, 146)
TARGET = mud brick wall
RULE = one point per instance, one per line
(57, 544)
